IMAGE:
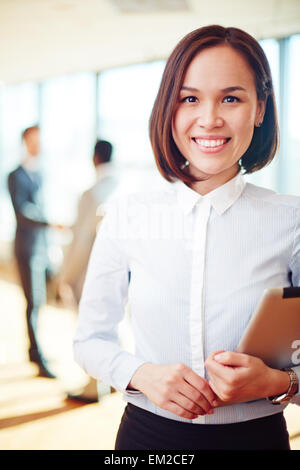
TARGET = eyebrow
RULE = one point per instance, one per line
(224, 90)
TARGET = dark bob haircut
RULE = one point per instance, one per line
(264, 143)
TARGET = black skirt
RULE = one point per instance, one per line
(142, 430)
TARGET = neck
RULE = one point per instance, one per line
(211, 182)
(103, 169)
(30, 162)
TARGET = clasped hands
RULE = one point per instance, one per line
(233, 377)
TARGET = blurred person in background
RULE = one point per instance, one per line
(30, 247)
(87, 221)
(89, 217)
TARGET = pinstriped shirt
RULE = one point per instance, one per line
(198, 267)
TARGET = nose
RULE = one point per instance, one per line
(209, 117)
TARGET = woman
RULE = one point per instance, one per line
(200, 255)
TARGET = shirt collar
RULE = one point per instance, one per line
(220, 198)
(31, 164)
(103, 170)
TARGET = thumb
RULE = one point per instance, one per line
(230, 358)
(217, 355)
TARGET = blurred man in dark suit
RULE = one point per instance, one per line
(24, 185)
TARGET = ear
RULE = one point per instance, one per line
(260, 113)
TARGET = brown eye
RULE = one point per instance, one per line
(231, 99)
(189, 99)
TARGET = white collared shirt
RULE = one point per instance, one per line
(31, 163)
(103, 170)
(199, 265)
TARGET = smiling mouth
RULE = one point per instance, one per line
(210, 143)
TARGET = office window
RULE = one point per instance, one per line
(268, 176)
(126, 98)
(291, 154)
(68, 135)
(18, 110)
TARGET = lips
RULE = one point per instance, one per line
(210, 142)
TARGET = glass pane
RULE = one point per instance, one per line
(68, 137)
(291, 183)
(18, 110)
(268, 176)
(126, 97)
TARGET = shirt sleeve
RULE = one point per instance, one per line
(295, 277)
(102, 307)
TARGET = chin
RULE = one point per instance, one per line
(208, 171)
(212, 168)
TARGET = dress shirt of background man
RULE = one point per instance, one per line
(84, 232)
(24, 185)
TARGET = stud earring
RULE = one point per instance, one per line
(259, 124)
(184, 165)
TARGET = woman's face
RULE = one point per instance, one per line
(217, 110)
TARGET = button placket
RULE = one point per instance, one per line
(202, 214)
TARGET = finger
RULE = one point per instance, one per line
(200, 385)
(180, 411)
(216, 385)
(219, 401)
(217, 370)
(196, 397)
(201, 406)
(231, 358)
(213, 355)
(191, 406)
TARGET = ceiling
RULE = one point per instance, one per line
(44, 38)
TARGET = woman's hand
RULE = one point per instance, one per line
(237, 377)
(175, 388)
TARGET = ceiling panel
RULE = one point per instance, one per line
(40, 39)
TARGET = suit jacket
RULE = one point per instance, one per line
(24, 188)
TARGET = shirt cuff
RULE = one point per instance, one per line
(132, 364)
(129, 392)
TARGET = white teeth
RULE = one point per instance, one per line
(210, 143)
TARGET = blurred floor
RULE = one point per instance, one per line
(34, 412)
